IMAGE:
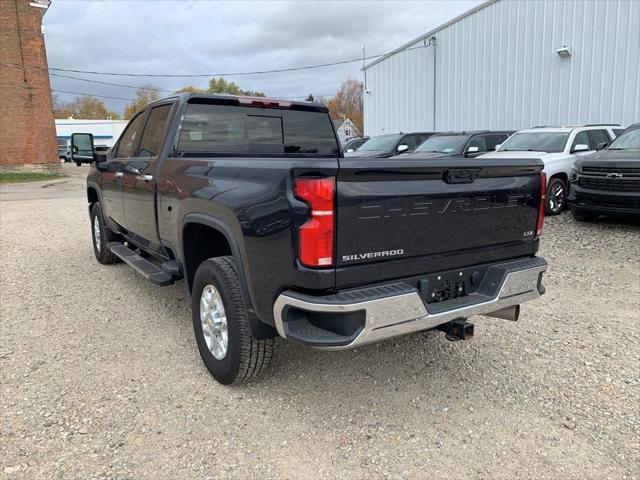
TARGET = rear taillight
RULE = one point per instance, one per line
(543, 201)
(315, 237)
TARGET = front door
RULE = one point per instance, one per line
(113, 177)
(139, 185)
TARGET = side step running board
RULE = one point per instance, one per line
(144, 267)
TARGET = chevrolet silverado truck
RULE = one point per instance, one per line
(608, 182)
(250, 201)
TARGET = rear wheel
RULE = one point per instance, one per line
(556, 196)
(221, 324)
(101, 236)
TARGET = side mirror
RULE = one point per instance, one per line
(82, 147)
(402, 148)
(602, 145)
(497, 147)
(581, 147)
(349, 150)
(472, 151)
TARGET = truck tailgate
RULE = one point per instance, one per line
(400, 217)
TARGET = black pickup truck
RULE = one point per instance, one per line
(251, 202)
(608, 182)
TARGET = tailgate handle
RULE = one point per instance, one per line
(461, 175)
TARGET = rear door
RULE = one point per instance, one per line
(139, 185)
(422, 214)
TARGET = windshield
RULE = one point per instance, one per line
(536, 142)
(382, 142)
(630, 140)
(443, 144)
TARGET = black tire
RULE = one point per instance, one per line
(557, 192)
(79, 164)
(101, 241)
(583, 216)
(245, 357)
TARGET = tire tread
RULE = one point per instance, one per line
(255, 354)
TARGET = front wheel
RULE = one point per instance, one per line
(101, 235)
(556, 196)
(221, 324)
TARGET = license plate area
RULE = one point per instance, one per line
(443, 286)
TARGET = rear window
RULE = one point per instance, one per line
(228, 129)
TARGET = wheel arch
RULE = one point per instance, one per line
(196, 223)
(562, 176)
(220, 242)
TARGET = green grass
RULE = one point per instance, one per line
(19, 177)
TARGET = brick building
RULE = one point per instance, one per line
(27, 128)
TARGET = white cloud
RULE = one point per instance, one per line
(216, 36)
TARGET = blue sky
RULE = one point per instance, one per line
(217, 36)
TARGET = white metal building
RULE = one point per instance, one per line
(512, 64)
(105, 132)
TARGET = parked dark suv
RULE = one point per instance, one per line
(391, 144)
(468, 144)
(608, 182)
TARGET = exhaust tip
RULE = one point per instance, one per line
(508, 313)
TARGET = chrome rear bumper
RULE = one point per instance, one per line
(387, 311)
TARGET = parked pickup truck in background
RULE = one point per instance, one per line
(250, 201)
(608, 182)
(558, 148)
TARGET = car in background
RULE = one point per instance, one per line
(64, 152)
(390, 144)
(467, 144)
(608, 182)
(558, 148)
(353, 144)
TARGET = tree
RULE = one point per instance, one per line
(309, 98)
(83, 108)
(144, 95)
(190, 89)
(220, 85)
(348, 103)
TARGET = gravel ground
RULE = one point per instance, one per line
(101, 376)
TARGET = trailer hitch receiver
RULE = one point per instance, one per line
(458, 329)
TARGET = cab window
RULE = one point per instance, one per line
(478, 141)
(582, 138)
(599, 138)
(130, 137)
(151, 142)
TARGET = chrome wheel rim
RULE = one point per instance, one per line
(214, 322)
(556, 197)
(96, 233)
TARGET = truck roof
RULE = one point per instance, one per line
(264, 102)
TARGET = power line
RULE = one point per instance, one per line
(111, 83)
(33, 87)
(94, 95)
(145, 87)
(221, 74)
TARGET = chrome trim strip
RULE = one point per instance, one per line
(406, 313)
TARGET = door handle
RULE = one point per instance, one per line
(146, 178)
(119, 174)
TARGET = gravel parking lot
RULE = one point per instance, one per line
(101, 377)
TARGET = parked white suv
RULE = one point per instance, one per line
(558, 148)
